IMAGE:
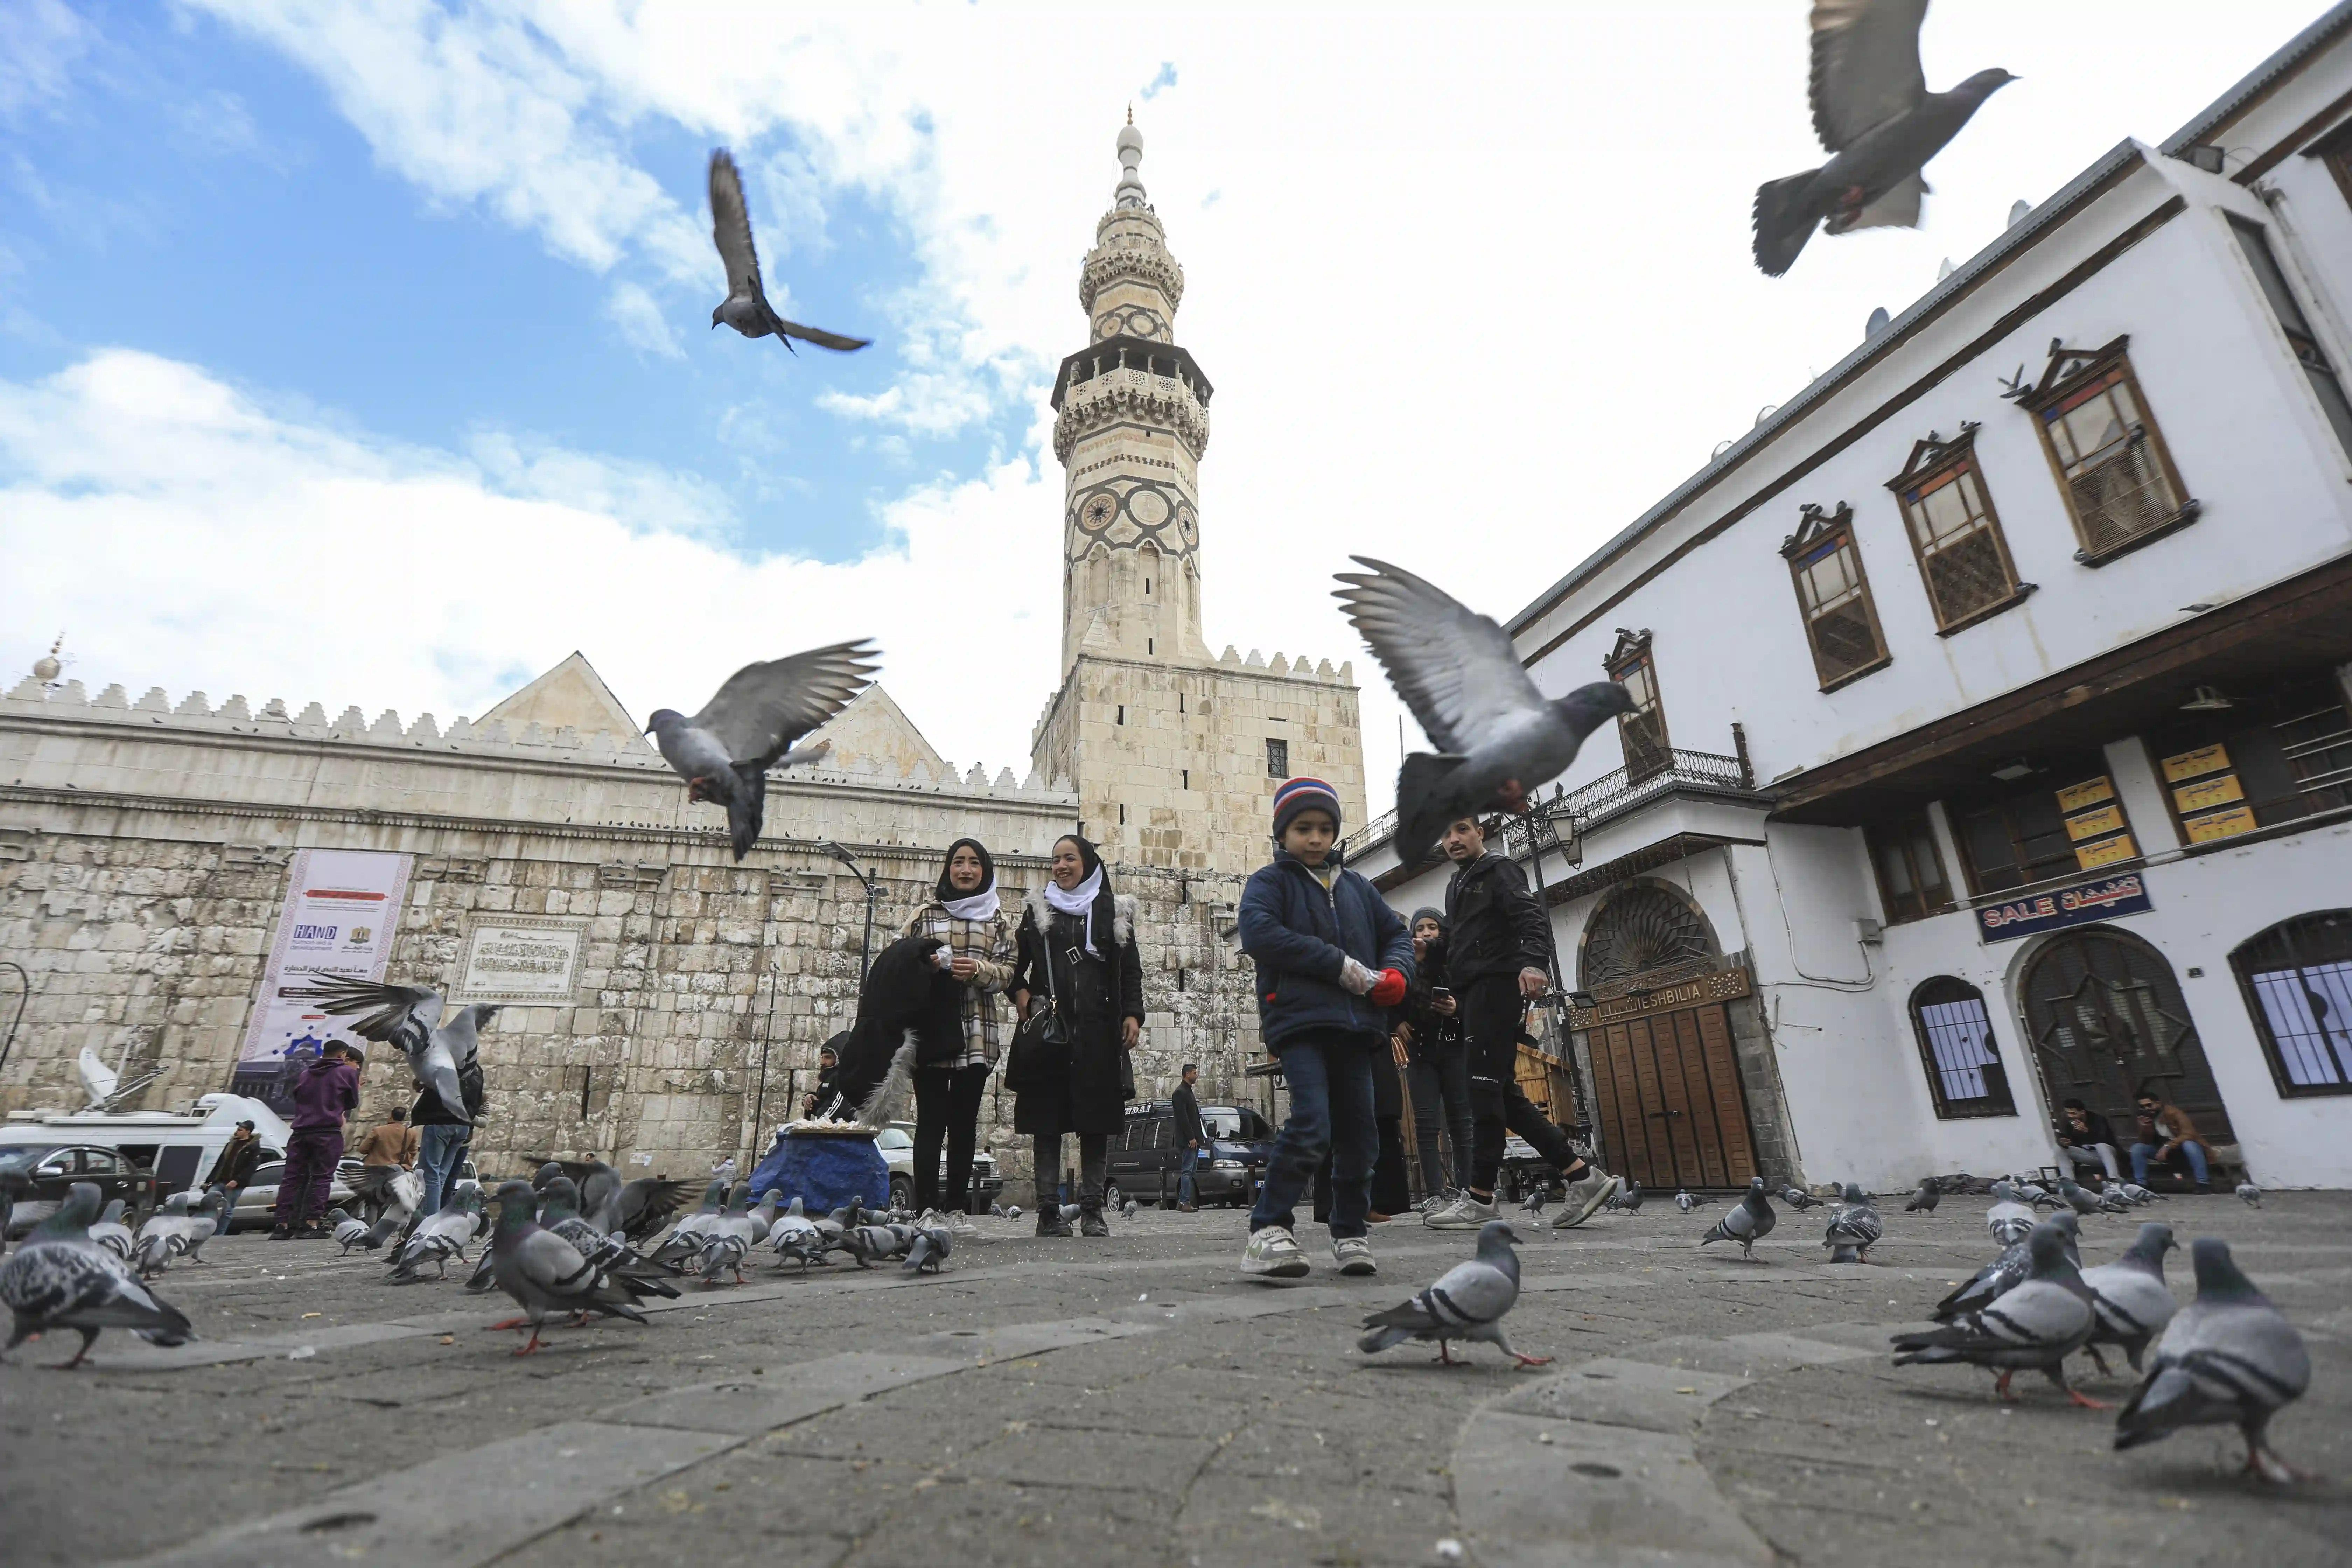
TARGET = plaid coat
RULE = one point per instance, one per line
(989, 945)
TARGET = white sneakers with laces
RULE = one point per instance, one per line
(1465, 1213)
(1353, 1254)
(1273, 1253)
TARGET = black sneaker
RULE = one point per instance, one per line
(1051, 1223)
(281, 1233)
(1091, 1223)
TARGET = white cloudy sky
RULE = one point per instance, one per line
(357, 353)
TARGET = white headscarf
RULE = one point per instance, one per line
(1079, 901)
(980, 906)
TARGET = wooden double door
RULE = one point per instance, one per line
(1672, 1113)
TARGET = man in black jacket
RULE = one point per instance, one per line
(1498, 960)
(442, 1139)
(1189, 1139)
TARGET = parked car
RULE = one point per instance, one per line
(1144, 1161)
(56, 1167)
(897, 1142)
(255, 1204)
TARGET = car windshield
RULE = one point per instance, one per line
(891, 1138)
(1220, 1123)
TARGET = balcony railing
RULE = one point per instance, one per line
(1574, 813)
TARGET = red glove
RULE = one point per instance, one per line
(1388, 989)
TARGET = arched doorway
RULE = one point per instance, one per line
(2105, 1015)
(1667, 1092)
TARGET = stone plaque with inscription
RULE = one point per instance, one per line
(521, 958)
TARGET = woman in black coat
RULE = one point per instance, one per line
(1077, 954)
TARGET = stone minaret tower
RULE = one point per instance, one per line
(1174, 750)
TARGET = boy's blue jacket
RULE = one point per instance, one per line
(1296, 932)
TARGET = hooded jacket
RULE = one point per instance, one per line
(1296, 930)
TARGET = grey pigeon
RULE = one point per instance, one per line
(60, 1278)
(1798, 1198)
(1537, 1199)
(1855, 1228)
(110, 1233)
(2112, 1200)
(1629, 1196)
(721, 1253)
(2004, 1273)
(438, 1238)
(2230, 1358)
(995, 1211)
(1127, 1210)
(2038, 1196)
(172, 1232)
(559, 1211)
(1925, 1200)
(1467, 1303)
(2034, 1327)
(2138, 1193)
(1498, 737)
(544, 1273)
(686, 1237)
(929, 1249)
(1751, 1221)
(2251, 1194)
(2008, 1221)
(349, 1231)
(1012, 1212)
(2076, 1197)
(2133, 1302)
(870, 1244)
(1071, 1211)
(724, 752)
(796, 1236)
(630, 1210)
(1873, 111)
(1686, 1200)
(746, 307)
(439, 1052)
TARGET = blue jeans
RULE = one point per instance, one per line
(1331, 1077)
(2142, 1154)
(1188, 1186)
(228, 1205)
(438, 1152)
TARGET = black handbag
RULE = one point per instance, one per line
(1040, 1045)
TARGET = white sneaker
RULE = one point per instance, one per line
(1353, 1254)
(959, 1224)
(1585, 1198)
(1465, 1214)
(1273, 1254)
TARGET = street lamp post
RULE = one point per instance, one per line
(873, 892)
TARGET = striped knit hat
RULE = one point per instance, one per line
(1303, 794)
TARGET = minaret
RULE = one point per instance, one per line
(1132, 420)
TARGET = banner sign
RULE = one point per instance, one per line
(342, 910)
(2077, 905)
(1723, 985)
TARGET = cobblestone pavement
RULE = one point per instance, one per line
(1135, 1402)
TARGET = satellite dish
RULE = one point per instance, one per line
(1878, 319)
(1767, 412)
(2017, 211)
(1945, 271)
(98, 1080)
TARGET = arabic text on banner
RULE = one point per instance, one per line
(342, 910)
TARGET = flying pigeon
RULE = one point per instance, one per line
(2008, 1220)
(746, 307)
(2229, 1357)
(438, 1238)
(931, 1248)
(387, 1189)
(1467, 1303)
(2034, 1327)
(1925, 1200)
(2133, 1302)
(2005, 1273)
(60, 1278)
(1798, 1198)
(2251, 1194)
(1855, 1228)
(1749, 1221)
(2076, 1197)
(724, 752)
(1873, 111)
(544, 1273)
(411, 1017)
(630, 1210)
(1498, 739)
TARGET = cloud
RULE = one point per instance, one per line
(1160, 83)
(40, 41)
(644, 325)
(217, 124)
(253, 550)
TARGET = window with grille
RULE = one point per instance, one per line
(2063, 822)
(2111, 462)
(1277, 759)
(1832, 593)
(1642, 731)
(1955, 533)
(2325, 384)
(1911, 880)
(1956, 1046)
(2297, 979)
(2271, 758)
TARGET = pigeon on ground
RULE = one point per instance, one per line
(438, 1238)
(1627, 1198)
(60, 1278)
(2034, 1327)
(746, 307)
(2112, 1200)
(110, 1233)
(1872, 109)
(559, 1211)
(1013, 1211)
(350, 1232)
(1925, 1200)
(1467, 1303)
(1686, 1200)
(2008, 1221)
(796, 1236)
(929, 1249)
(1537, 1199)
(2133, 1302)
(1798, 1198)
(2077, 1197)
(1855, 1228)
(2251, 1194)
(686, 1237)
(724, 752)
(2005, 1273)
(2037, 1196)
(871, 1244)
(1498, 737)
(1127, 1210)
(544, 1273)
(720, 1253)
(1072, 1211)
(1751, 1221)
(440, 1042)
(387, 1189)
(995, 1211)
(2138, 1193)
(179, 1229)
(630, 1210)
(2230, 1358)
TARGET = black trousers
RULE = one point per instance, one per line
(1491, 1010)
(947, 1107)
(1047, 1158)
(1439, 1081)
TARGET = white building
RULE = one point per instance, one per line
(1995, 746)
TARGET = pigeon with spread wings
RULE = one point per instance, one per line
(1498, 739)
(724, 752)
(440, 1045)
(1874, 112)
(746, 307)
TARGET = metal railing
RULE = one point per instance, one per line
(1573, 813)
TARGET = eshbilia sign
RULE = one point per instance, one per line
(2077, 905)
